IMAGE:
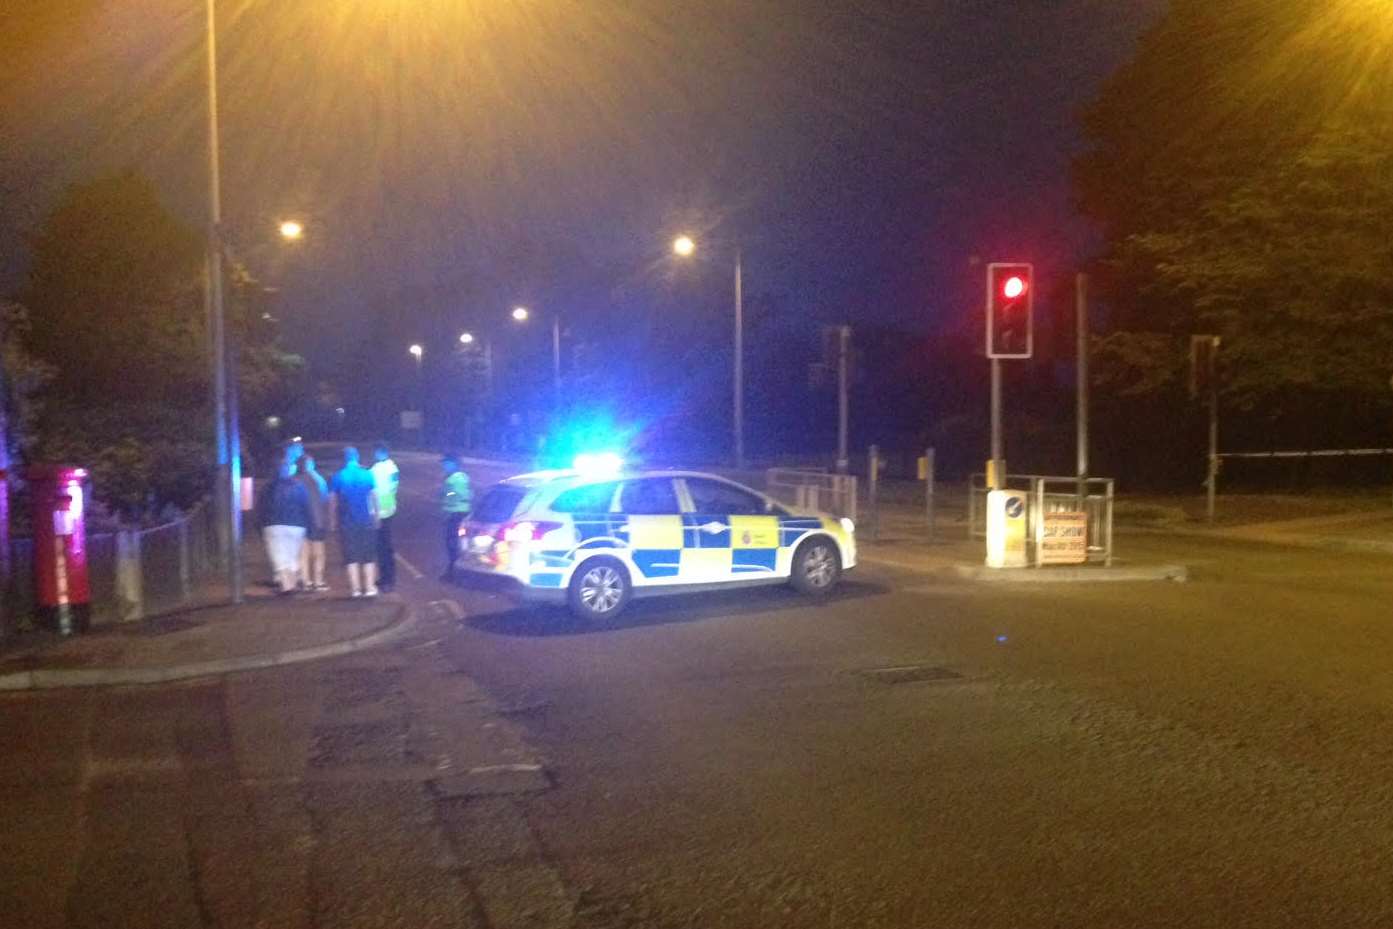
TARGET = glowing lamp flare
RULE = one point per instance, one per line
(416, 350)
(466, 338)
(1013, 287)
(292, 229)
(598, 464)
(683, 245)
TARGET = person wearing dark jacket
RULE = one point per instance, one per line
(285, 517)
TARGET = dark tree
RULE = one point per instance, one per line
(1241, 170)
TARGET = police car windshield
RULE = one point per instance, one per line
(498, 504)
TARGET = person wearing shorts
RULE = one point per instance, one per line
(284, 515)
(354, 510)
(312, 554)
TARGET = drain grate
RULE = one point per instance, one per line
(911, 674)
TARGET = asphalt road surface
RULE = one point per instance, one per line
(910, 753)
(1155, 754)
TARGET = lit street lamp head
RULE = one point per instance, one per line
(520, 313)
(683, 246)
(466, 338)
(417, 351)
(292, 230)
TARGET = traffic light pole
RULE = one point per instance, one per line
(998, 480)
(1211, 485)
(1081, 411)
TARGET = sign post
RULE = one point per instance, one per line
(1204, 378)
(926, 474)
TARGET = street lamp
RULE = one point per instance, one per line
(466, 338)
(522, 314)
(227, 438)
(418, 352)
(684, 246)
(227, 446)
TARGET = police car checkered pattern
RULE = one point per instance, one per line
(688, 547)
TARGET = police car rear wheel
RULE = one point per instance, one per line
(816, 567)
(600, 589)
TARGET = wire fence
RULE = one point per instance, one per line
(132, 573)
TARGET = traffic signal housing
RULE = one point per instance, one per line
(1010, 309)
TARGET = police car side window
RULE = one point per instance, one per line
(592, 498)
(717, 499)
(649, 497)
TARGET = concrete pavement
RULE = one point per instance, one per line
(212, 640)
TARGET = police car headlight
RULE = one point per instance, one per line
(848, 526)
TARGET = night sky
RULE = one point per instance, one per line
(453, 157)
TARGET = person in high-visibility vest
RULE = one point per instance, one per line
(456, 500)
(386, 479)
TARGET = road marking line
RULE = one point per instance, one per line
(410, 567)
(452, 607)
(506, 769)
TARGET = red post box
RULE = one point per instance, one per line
(62, 594)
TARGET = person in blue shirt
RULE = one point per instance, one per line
(354, 512)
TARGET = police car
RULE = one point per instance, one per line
(595, 542)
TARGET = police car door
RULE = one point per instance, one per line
(652, 524)
(736, 539)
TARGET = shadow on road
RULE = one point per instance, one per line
(536, 620)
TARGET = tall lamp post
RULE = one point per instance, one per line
(684, 246)
(418, 352)
(522, 314)
(467, 341)
(228, 455)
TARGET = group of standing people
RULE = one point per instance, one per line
(298, 509)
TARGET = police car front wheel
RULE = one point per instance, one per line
(817, 565)
(600, 589)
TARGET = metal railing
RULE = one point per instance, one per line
(1049, 495)
(813, 489)
(132, 573)
(1052, 494)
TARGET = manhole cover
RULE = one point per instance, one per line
(911, 674)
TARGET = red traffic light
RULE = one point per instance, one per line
(1010, 293)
